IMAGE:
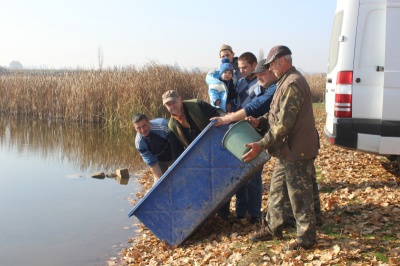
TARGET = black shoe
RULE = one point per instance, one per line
(237, 219)
(287, 224)
(255, 220)
(223, 217)
(319, 223)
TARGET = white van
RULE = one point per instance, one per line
(362, 97)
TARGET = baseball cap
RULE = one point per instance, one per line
(168, 96)
(225, 47)
(261, 67)
(276, 52)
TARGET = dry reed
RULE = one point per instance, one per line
(109, 96)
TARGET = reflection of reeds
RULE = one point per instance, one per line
(108, 96)
(88, 147)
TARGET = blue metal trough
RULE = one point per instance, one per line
(192, 190)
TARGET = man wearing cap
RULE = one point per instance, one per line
(226, 51)
(261, 97)
(249, 197)
(152, 143)
(293, 140)
(188, 119)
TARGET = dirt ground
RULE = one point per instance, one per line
(360, 198)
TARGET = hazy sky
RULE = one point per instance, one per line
(54, 33)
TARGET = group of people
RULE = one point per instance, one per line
(276, 99)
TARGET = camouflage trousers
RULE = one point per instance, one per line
(296, 176)
(289, 220)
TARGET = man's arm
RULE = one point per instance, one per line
(156, 171)
(148, 157)
(261, 104)
(290, 102)
(231, 117)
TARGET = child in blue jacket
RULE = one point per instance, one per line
(221, 87)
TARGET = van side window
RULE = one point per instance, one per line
(334, 49)
(373, 44)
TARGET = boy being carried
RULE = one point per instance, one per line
(221, 87)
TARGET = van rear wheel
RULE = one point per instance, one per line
(394, 158)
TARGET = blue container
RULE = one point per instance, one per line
(199, 182)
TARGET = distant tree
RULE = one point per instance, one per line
(15, 65)
(2, 70)
(100, 57)
(196, 70)
(176, 66)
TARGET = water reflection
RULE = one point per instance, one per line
(87, 147)
(52, 211)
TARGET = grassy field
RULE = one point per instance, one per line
(109, 97)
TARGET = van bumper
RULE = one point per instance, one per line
(343, 134)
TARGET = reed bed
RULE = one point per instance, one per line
(109, 97)
(317, 84)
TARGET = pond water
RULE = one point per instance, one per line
(52, 212)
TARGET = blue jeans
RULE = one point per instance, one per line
(248, 199)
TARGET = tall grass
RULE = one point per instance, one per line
(108, 96)
(317, 85)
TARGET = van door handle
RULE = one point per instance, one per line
(329, 80)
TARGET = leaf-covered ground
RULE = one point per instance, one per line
(360, 197)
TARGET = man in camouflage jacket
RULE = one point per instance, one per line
(293, 140)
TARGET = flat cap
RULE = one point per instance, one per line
(276, 52)
(261, 67)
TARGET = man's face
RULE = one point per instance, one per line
(142, 127)
(266, 78)
(246, 68)
(175, 107)
(227, 54)
(276, 67)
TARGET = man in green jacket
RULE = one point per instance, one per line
(188, 119)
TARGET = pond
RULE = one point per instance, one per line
(52, 211)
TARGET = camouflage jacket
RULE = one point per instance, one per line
(291, 135)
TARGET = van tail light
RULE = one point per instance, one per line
(343, 96)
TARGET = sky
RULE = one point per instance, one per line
(69, 34)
